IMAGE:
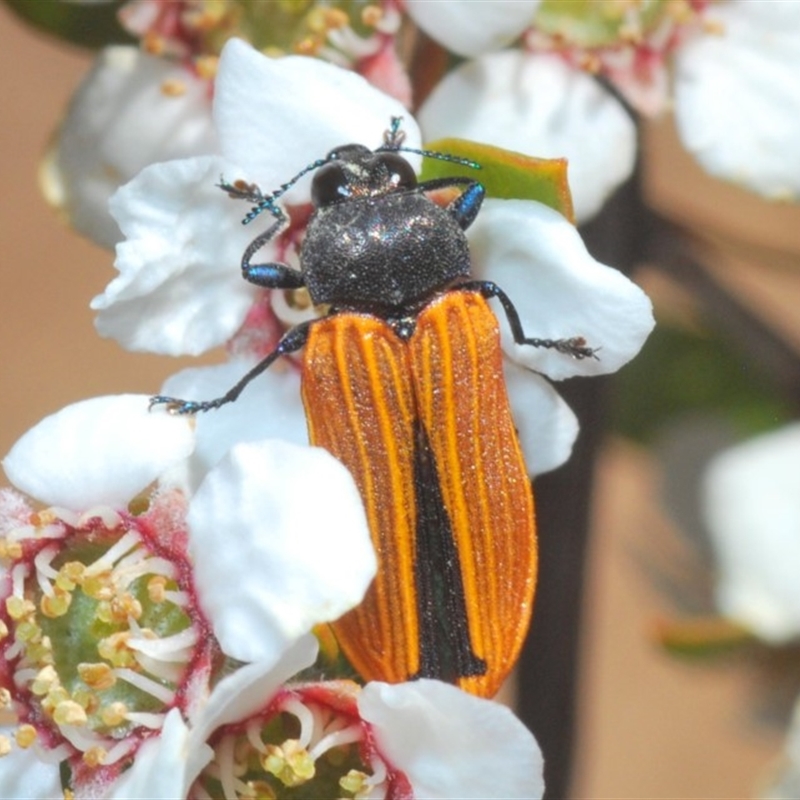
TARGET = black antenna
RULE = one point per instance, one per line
(393, 140)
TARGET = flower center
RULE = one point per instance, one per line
(300, 748)
(99, 633)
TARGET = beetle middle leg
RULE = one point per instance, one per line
(291, 341)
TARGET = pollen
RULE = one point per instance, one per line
(25, 736)
(5, 698)
(116, 649)
(19, 608)
(207, 67)
(45, 680)
(97, 676)
(56, 604)
(10, 549)
(125, 607)
(372, 16)
(157, 588)
(70, 575)
(68, 712)
(98, 585)
(173, 87)
(114, 714)
(95, 756)
(355, 782)
(290, 763)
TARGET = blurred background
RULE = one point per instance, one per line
(651, 724)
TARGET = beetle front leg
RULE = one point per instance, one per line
(465, 207)
(272, 275)
(575, 346)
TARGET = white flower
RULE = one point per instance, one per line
(102, 451)
(132, 109)
(752, 504)
(282, 523)
(539, 105)
(472, 27)
(737, 97)
(426, 736)
(728, 68)
(313, 107)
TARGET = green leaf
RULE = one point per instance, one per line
(504, 174)
(87, 24)
(701, 637)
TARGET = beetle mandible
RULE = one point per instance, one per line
(402, 381)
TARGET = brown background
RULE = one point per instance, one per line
(652, 727)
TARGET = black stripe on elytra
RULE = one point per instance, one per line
(445, 648)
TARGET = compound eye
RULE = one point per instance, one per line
(401, 173)
(330, 184)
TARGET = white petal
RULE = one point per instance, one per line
(101, 451)
(737, 96)
(546, 425)
(559, 290)
(179, 289)
(451, 744)
(537, 104)
(250, 688)
(269, 408)
(274, 116)
(164, 765)
(752, 504)
(472, 27)
(25, 776)
(280, 541)
(120, 120)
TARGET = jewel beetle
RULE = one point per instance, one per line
(402, 381)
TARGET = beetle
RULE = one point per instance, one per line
(402, 381)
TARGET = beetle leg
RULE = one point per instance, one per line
(575, 346)
(292, 340)
(273, 275)
(465, 207)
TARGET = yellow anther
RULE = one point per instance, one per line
(53, 699)
(153, 43)
(98, 585)
(87, 700)
(157, 588)
(124, 606)
(25, 735)
(10, 549)
(258, 790)
(173, 87)
(18, 607)
(115, 649)
(207, 66)
(97, 676)
(309, 45)
(371, 16)
(354, 782)
(5, 698)
(40, 652)
(70, 575)
(45, 681)
(69, 713)
(95, 756)
(3, 630)
(290, 764)
(114, 714)
(103, 612)
(28, 632)
(57, 604)
(5, 745)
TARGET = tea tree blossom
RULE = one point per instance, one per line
(752, 505)
(727, 67)
(189, 240)
(261, 734)
(108, 611)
